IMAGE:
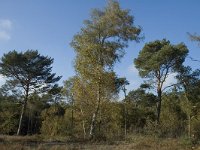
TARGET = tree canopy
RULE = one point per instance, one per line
(96, 103)
(29, 71)
(99, 44)
(157, 60)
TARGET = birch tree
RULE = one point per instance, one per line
(98, 46)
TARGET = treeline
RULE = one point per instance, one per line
(87, 106)
(179, 115)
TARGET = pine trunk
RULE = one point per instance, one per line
(23, 111)
(125, 114)
(159, 92)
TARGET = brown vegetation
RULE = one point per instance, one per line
(137, 142)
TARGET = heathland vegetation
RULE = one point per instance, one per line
(86, 113)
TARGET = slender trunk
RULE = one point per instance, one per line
(23, 111)
(83, 124)
(72, 123)
(92, 125)
(94, 116)
(125, 114)
(125, 120)
(35, 127)
(189, 126)
(72, 118)
(159, 92)
(21, 118)
(188, 113)
(84, 132)
(29, 121)
(99, 121)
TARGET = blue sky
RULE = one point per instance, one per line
(49, 26)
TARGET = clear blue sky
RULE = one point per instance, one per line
(49, 26)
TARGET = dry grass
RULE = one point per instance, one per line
(6, 138)
(132, 143)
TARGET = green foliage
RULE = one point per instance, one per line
(140, 109)
(109, 125)
(103, 39)
(28, 72)
(195, 131)
(121, 84)
(53, 119)
(91, 109)
(9, 113)
(99, 44)
(157, 60)
(190, 82)
(173, 117)
(33, 119)
(142, 99)
(67, 90)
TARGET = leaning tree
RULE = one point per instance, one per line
(30, 72)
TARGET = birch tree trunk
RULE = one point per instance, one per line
(94, 116)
